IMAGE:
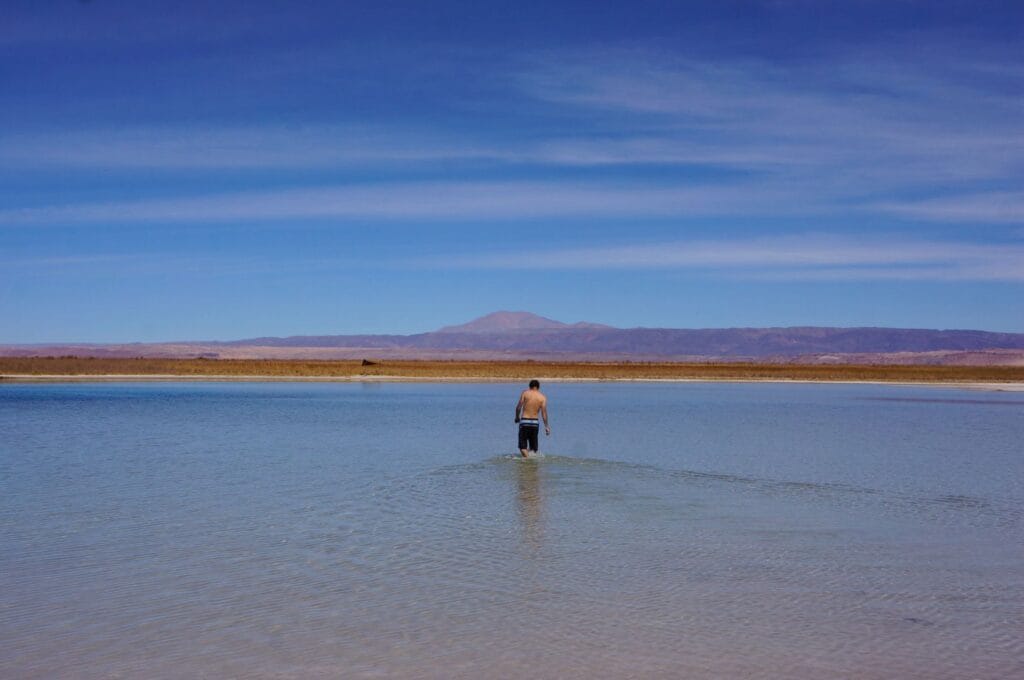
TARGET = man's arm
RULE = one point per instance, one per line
(519, 405)
(544, 414)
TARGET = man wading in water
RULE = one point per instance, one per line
(531, 402)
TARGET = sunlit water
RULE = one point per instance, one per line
(386, 530)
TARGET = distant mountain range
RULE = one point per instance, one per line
(510, 322)
(522, 335)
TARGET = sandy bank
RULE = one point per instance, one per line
(26, 378)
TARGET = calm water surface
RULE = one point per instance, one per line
(386, 530)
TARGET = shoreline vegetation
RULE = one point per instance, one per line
(71, 368)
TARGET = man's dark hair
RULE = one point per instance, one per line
(534, 383)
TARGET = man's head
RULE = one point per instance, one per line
(534, 384)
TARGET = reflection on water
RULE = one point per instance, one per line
(530, 502)
(342, 531)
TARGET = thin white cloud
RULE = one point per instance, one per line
(787, 257)
(426, 200)
(325, 146)
(852, 125)
(996, 207)
(791, 257)
(162, 264)
(235, 148)
(508, 200)
(71, 260)
(855, 133)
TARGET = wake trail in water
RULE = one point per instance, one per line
(1005, 514)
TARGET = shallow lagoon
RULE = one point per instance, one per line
(387, 530)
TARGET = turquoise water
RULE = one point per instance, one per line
(387, 530)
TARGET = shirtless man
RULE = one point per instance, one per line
(531, 402)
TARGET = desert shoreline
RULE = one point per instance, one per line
(141, 369)
(1017, 386)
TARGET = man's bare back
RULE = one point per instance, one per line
(532, 403)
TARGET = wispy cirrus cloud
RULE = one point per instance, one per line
(201, 147)
(856, 133)
(783, 257)
(995, 206)
(422, 201)
(850, 129)
(268, 146)
(786, 257)
(115, 265)
(510, 200)
(853, 104)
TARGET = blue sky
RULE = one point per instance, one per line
(180, 170)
